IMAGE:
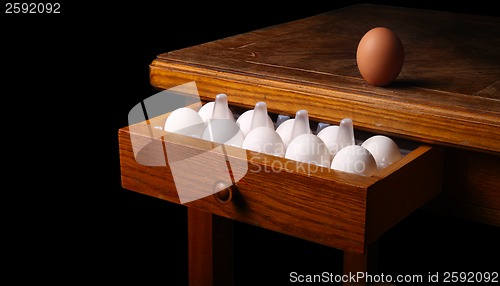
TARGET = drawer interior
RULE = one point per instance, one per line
(319, 204)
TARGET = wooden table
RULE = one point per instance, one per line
(446, 100)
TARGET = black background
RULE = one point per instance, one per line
(69, 81)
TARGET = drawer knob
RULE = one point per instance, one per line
(226, 195)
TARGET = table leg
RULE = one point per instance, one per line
(355, 263)
(210, 249)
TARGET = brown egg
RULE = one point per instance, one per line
(380, 56)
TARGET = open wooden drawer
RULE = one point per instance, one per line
(341, 210)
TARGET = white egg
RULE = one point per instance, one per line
(354, 159)
(207, 110)
(329, 136)
(224, 131)
(245, 121)
(308, 148)
(185, 121)
(384, 150)
(338, 137)
(264, 140)
(285, 131)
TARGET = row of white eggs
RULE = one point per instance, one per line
(333, 146)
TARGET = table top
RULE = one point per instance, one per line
(447, 93)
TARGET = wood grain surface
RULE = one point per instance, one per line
(447, 92)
